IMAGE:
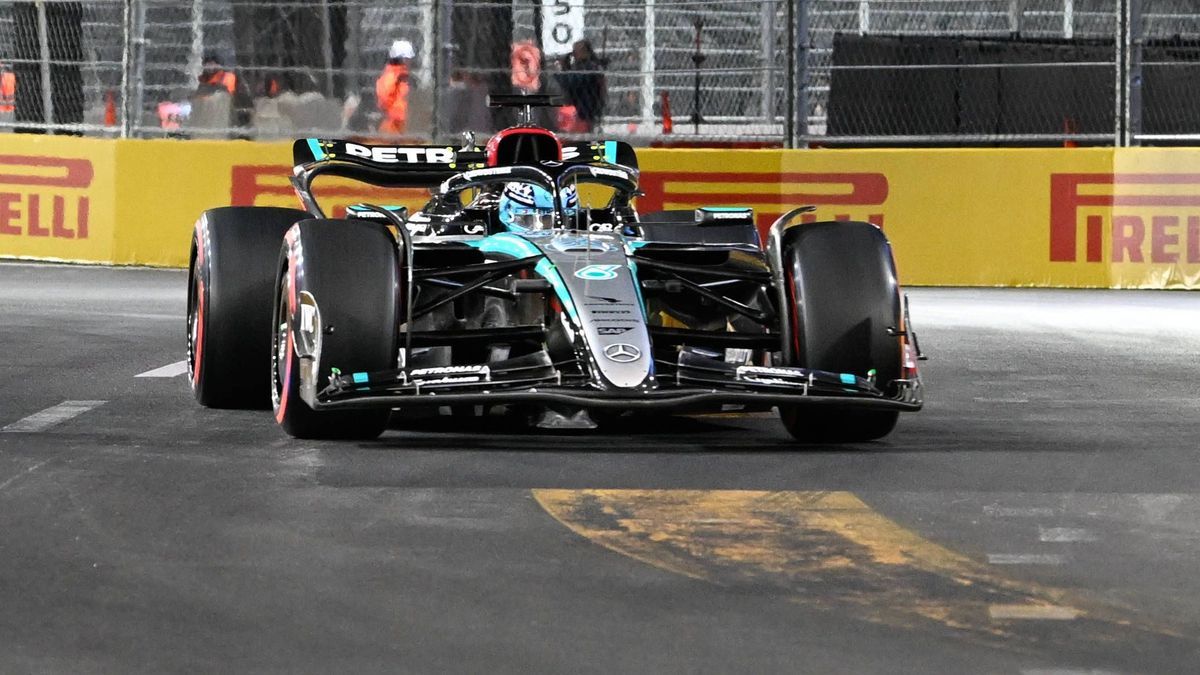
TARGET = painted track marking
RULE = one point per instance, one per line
(1066, 671)
(1066, 534)
(1032, 613)
(831, 551)
(52, 416)
(998, 511)
(1026, 558)
(24, 473)
(170, 370)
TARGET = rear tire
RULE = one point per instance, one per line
(351, 270)
(841, 283)
(230, 289)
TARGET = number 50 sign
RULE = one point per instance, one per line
(562, 25)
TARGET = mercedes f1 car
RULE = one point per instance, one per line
(530, 281)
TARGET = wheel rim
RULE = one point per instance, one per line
(279, 355)
(193, 322)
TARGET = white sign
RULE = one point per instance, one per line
(562, 25)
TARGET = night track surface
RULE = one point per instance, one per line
(1042, 514)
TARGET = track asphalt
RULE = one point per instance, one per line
(1041, 515)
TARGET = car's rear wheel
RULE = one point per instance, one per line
(349, 268)
(843, 298)
(230, 288)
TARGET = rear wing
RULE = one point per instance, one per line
(612, 152)
(389, 166)
(384, 165)
(400, 166)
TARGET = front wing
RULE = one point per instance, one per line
(690, 386)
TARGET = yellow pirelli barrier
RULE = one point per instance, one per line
(57, 198)
(1099, 217)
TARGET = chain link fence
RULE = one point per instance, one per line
(62, 66)
(753, 72)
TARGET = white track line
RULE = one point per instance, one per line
(40, 421)
(1026, 559)
(1032, 612)
(24, 473)
(1066, 534)
(1017, 511)
(1066, 671)
(170, 370)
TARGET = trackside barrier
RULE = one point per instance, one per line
(1082, 217)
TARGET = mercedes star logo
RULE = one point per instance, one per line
(622, 352)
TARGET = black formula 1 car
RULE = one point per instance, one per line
(530, 281)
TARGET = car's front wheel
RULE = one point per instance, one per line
(844, 310)
(349, 270)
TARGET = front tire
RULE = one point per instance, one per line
(351, 270)
(843, 298)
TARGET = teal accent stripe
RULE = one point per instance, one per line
(847, 378)
(359, 378)
(550, 273)
(315, 148)
(637, 289)
(610, 152)
(508, 244)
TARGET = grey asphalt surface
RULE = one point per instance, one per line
(1058, 449)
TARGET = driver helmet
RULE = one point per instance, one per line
(525, 206)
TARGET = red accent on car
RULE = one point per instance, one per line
(505, 145)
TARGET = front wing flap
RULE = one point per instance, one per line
(749, 385)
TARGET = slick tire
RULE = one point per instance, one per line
(231, 282)
(843, 296)
(351, 270)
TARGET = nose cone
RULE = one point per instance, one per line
(609, 307)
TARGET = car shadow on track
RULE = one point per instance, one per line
(756, 433)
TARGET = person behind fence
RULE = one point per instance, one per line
(8, 89)
(392, 88)
(214, 78)
(583, 82)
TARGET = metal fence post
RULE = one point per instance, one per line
(1133, 51)
(442, 13)
(137, 57)
(1119, 72)
(1129, 72)
(789, 122)
(195, 62)
(647, 79)
(327, 49)
(797, 94)
(352, 66)
(43, 30)
(126, 73)
(1015, 13)
(768, 61)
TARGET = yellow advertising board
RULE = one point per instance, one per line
(1073, 217)
(57, 197)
